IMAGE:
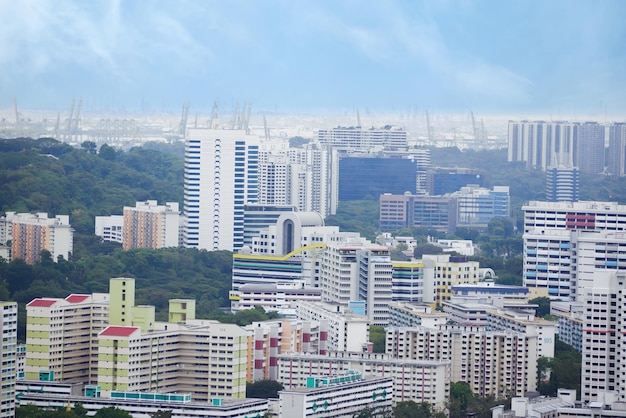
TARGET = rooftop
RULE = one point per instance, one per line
(118, 331)
(73, 298)
(42, 303)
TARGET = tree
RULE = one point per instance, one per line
(461, 397)
(112, 412)
(544, 305)
(420, 250)
(107, 152)
(80, 410)
(263, 389)
(161, 414)
(377, 337)
(89, 146)
(412, 409)
(28, 411)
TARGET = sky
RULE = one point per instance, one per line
(491, 56)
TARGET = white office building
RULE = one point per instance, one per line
(110, 228)
(221, 177)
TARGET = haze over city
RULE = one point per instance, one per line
(562, 59)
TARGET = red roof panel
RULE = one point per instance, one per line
(76, 298)
(43, 303)
(118, 331)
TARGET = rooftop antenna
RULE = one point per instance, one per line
(182, 127)
(213, 115)
(17, 115)
(267, 130)
(429, 129)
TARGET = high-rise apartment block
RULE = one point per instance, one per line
(149, 225)
(616, 163)
(418, 380)
(221, 177)
(32, 233)
(8, 353)
(106, 340)
(356, 138)
(539, 144)
(562, 184)
(499, 363)
(603, 341)
(169, 359)
(345, 331)
(61, 337)
(564, 243)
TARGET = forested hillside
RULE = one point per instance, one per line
(45, 175)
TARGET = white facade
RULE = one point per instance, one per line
(280, 297)
(363, 139)
(375, 283)
(337, 396)
(221, 177)
(418, 380)
(603, 337)
(8, 353)
(539, 143)
(306, 178)
(461, 246)
(586, 215)
(346, 330)
(499, 363)
(402, 314)
(565, 242)
(144, 408)
(110, 228)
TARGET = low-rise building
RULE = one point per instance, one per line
(110, 228)
(419, 380)
(414, 314)
(570, 327)
(337, 396)
(280, 297)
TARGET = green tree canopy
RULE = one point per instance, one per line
(112, 412)
(263, 389)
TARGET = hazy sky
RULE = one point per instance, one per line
(490, 56)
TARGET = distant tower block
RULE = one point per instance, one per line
(562, 184)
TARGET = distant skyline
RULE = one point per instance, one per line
(518, 57)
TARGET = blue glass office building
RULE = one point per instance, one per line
(361, 178)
